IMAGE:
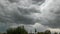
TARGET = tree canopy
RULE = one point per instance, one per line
(19, 30)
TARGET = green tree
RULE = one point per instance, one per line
(47, 32)
(40, 33)
(55, 33)
(18, 30)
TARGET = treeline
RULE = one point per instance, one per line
(21, 30)
(18, 30)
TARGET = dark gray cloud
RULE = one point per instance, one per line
(38, 2)
(15, 14)
(27, 12)
(16, 18)
(12, 1)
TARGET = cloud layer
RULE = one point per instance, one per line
(51, 12)
(45, 12)
(14, 12)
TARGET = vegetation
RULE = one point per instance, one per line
(46, 32)
(55, 33)
(40, 33)
(21, 30)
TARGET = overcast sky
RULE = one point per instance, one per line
(39, 14)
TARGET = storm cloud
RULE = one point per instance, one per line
(44, 12)
(14, 13)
